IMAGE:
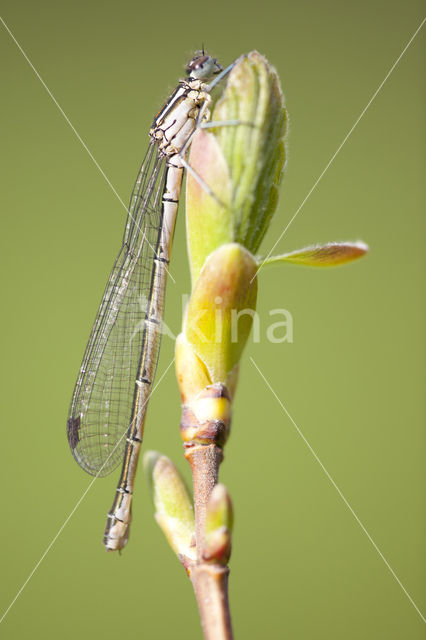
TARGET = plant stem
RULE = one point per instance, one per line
(204, 461)
(210, 584)
(210, 581)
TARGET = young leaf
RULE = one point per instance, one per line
(330, 254)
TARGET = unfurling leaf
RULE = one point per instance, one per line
(330, 254)
(241, 163)
(220, 312)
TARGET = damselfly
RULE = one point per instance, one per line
(108, 407)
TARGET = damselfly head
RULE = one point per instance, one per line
(202, 66)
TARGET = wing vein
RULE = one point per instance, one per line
(102, 401)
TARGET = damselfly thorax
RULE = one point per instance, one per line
(175, 124)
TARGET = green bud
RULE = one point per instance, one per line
(219, 520)
(219, 509)
(174, 509)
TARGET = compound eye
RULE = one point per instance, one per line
(201, 67)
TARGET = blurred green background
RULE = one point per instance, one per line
(353, 380)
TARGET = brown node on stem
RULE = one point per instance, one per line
(207, 418)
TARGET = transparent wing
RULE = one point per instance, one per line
(101, 405)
